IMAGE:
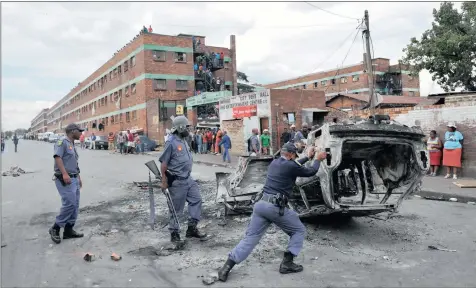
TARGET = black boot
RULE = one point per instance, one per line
(288, 266)
(175, 237)
(69, 233)
(192, 232)
(55, 233)
(223, 272)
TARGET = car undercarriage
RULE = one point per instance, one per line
(372, 166)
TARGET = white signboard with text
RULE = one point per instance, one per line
(246, 105)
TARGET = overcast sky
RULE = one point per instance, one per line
(47, 48)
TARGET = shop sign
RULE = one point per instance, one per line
(260, 99)
(244, 111)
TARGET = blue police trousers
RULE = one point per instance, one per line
(69, 202)
(265, 213)
(183, 191)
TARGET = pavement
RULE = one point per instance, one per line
(362, 252)
(439, 188)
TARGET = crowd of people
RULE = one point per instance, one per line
(123, 142)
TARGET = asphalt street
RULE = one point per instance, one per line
(361, 252)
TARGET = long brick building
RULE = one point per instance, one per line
(145, 83)
(39, 123)
(389, 80)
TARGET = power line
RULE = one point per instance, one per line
(231, 27)
(335, 50)
(342, 64)
(331, 12)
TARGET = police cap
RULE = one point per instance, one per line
(289, 147)
(71, 127)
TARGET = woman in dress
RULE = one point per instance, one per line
(452, 150)
(434, 148)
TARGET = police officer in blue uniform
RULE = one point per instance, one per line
(68, 182)
(176, 166)
(272, 208)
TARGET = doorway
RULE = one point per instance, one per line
(264, 124)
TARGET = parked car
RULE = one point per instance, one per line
(149, 145)
(101, 142)
(53, 138)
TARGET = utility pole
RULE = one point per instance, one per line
(368, 56)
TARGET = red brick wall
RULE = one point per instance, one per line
(291, 101)
(436, 118)
(341, 102)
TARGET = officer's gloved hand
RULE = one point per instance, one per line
(321, 156)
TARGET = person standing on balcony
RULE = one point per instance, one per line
(150, 29)
(222, 57)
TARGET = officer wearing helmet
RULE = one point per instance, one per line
(176, 166)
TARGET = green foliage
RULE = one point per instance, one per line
(242, 76)
(448, 49)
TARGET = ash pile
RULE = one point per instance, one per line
(14, 171)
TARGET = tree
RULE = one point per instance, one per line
(242, 87)
(448, 49)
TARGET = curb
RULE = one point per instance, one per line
(439, 196)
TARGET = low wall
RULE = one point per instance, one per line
(436, 117)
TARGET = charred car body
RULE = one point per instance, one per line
(372, 166)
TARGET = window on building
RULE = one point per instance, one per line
(120, 93)
(116, 118)
(411, 93)
(343, 80)
(410, 77)
(106, 121)
(333, 81)
(133, 61)
(128, 117)
(111, 97)
(126, 66)
(315, 84)
(134, 115)
(158, 55)
(102, 102)
(181, 85)
(112, 119)
(323, 82)
(304, 86)
(105, 100)
(116, 96)
(180, 57)
(289, 118)
(114, 73)
(355, 78)
(120, 118)
(126, 91)
(160, 84)
(119, 69)
(133, 88)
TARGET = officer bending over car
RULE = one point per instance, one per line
(272, 208)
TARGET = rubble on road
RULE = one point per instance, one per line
(89, 257)
(14, 171)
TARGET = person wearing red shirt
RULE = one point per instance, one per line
(150, 29)
(130, 141)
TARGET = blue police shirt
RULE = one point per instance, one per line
(67, 152)
(282, 174)
(298, 137)
(177, 156)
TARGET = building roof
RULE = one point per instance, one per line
(389, 100)
(448, 94)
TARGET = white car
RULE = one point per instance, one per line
(53, 138)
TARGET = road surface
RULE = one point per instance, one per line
(363, 252)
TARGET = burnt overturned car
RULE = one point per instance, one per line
(372, 165)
